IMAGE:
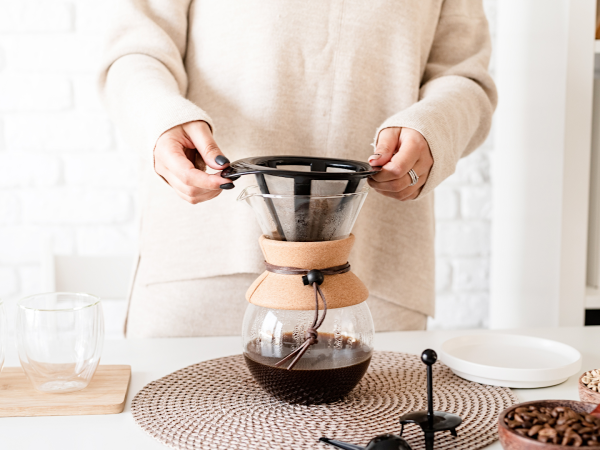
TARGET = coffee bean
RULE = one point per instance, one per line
(560, 425)
(548, 432)
(534, 430)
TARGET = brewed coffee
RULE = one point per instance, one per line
(317, 378)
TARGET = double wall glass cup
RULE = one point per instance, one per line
(60, 337)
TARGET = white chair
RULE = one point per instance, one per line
(108, 277)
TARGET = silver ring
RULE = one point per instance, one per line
(413, 176)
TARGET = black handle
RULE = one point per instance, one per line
(229, 172)
(429, 357)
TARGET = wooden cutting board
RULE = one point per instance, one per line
(106, 394)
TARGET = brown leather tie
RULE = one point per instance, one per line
(312, 278)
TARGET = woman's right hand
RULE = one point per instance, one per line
(181, 156)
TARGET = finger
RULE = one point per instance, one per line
(396, 186)
(387, 144)
(191, 194)
(200, 134)
(405, 159)
(401, 163)
(407, 194)
(410, 191)
(193, 155)
(413, 147)
(421, 168)
(175, 161)
(413, 192)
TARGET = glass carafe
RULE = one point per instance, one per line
(330, 369)
(335, 364)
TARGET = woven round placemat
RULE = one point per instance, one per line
(217, 405)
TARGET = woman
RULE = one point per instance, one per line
(189, 81)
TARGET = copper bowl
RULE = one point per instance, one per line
(513, 441)
(586, 394)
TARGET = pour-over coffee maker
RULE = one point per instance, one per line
(308, 332)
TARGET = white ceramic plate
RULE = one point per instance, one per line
(510, 360)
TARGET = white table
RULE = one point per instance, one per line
(153, 358)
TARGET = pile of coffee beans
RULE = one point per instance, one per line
(560, 425)
(591, 379)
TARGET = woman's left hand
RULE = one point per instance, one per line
(398, 151)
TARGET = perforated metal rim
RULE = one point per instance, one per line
(256, 165)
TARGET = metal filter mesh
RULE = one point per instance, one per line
(217, 404)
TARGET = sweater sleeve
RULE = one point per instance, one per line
(457, 96)
(143, 81)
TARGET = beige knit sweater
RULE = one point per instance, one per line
(299, 77)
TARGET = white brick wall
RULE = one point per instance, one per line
(36, 17)
(66, 176)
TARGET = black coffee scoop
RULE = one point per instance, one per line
(430, 421)
(381, 442)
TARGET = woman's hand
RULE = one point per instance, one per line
(181, 156)
(398, 151)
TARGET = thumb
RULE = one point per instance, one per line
(201, 136)
(387, 145)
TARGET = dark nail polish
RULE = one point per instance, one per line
(221, 160)
(227, 186)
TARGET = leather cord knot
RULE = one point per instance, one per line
(312, 278)
(311, 335)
